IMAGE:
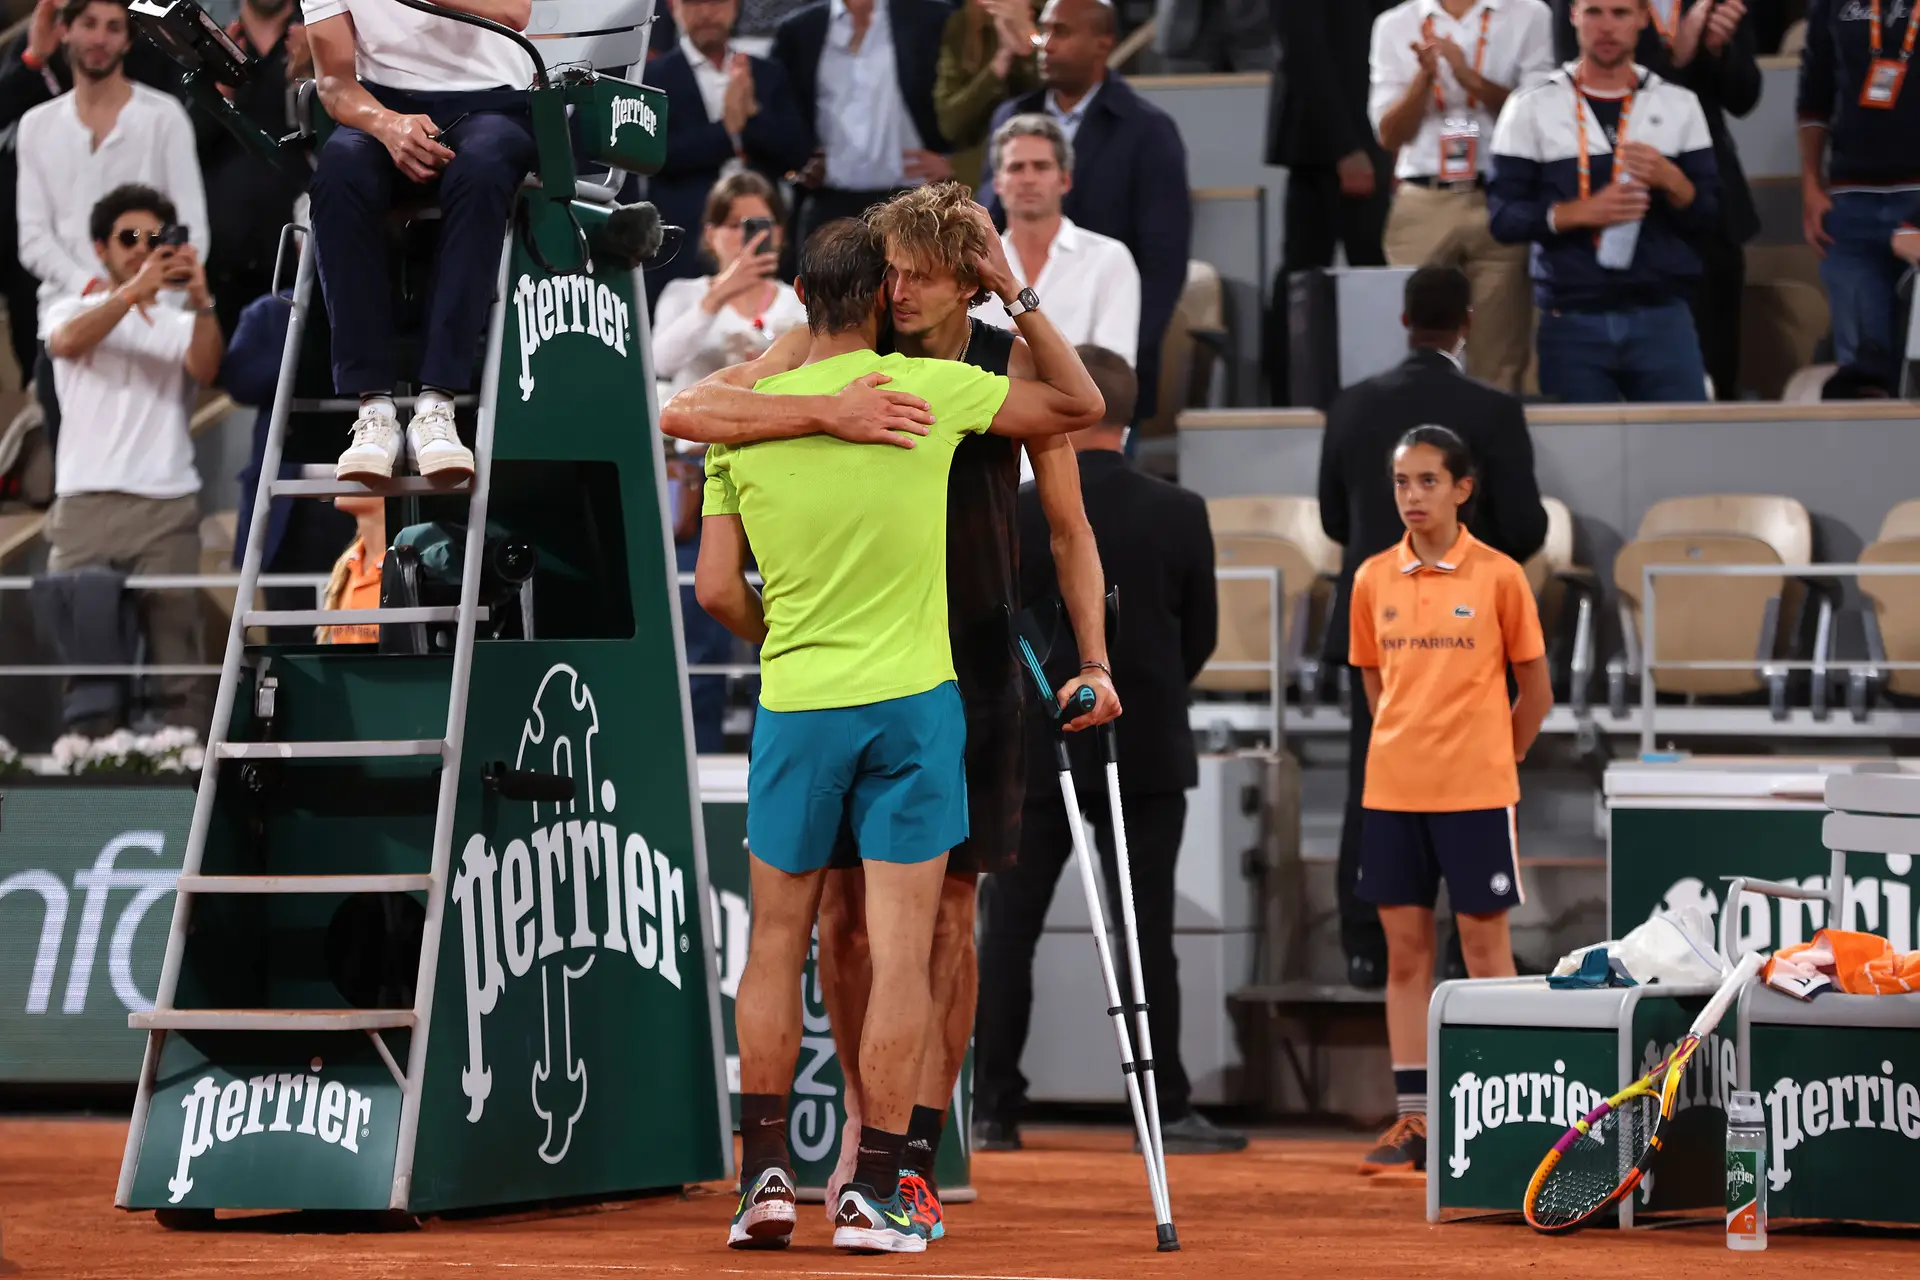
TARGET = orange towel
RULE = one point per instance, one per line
(1861, 964)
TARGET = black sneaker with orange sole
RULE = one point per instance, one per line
(1402, 1149)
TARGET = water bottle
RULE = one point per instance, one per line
(1746, 1173)
(1618, 242)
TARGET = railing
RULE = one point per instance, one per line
(317, 582)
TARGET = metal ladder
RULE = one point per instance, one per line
(236, 666)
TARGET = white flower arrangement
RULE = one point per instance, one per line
(10, 761)
(167, 751)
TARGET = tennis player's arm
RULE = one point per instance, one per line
(1531, 707)
(720, 579)
(723, 407)
(1060, 396)
(1076, 563)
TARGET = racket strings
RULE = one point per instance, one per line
(1593, 1168)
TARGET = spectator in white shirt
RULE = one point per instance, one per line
(104, 133)
(1441, 70)
(126, 358)
(733, 315)
(863, 73)
(421, 101)
(1088, 282)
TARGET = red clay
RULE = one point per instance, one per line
(1074, 1206)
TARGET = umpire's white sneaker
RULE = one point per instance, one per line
(435, 445)
(376, 446)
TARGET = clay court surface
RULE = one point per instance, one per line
(1072, 1207)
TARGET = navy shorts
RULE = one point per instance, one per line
(894, 769)
(1404, 856)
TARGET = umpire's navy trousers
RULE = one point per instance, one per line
(353, 190)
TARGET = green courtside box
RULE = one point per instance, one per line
(1512, 1063)
(560, 1037)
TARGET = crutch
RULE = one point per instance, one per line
(1146, 1117)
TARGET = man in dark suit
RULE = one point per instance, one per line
(876, 135)
(1357, 510)
(1129, 168)
(1157, 550)
(723, 108)
(1709, 47)
(1339, 181)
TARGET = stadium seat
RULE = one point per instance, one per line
(1560, 585)
(1285, 532)
(1891, 618)
(1718, 618)
(1193, 353)
(1782, 321)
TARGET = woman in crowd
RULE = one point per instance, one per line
(986, 56)
(709, 322)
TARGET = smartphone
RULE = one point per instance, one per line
(175, 237)
(753, 228)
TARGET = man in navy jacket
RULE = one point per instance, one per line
(1608, 170)
(723, 107)
(1129, 169)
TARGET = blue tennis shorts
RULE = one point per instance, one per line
(1403, 857)
(896, 770)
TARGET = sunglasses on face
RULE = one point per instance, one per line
(129, 238)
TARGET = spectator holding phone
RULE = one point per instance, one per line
(732, 316)
(126, 357)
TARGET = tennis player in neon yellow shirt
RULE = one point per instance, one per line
(860, 718)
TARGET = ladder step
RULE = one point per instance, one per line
(318, 482)
(270, 1019)
(330, 750)
(347, 617)
(351, 404)
(307, 884)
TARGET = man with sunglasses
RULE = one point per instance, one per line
(126, 357)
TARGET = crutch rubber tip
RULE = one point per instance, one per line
(1169, 1239)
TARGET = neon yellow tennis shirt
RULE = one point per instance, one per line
(851, 539)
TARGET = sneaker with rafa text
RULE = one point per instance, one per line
(765, 1215)
(1402, 1149)
(375, 450)
(434, 442)
(864, 1223)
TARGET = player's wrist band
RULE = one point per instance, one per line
(1101, 667)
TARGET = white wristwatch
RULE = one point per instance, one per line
(1024, 301)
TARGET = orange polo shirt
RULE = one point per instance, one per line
(1442, 636)
(363, 592)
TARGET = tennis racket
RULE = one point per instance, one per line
(1602, 1158)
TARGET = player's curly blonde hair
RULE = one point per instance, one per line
(932, 228)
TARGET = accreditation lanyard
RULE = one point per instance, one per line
(1886, 75)
(1580, 133)
(1479, 60)
(1664, 25)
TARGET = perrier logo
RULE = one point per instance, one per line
(631, 111)
(534, 906)
(558, 305)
